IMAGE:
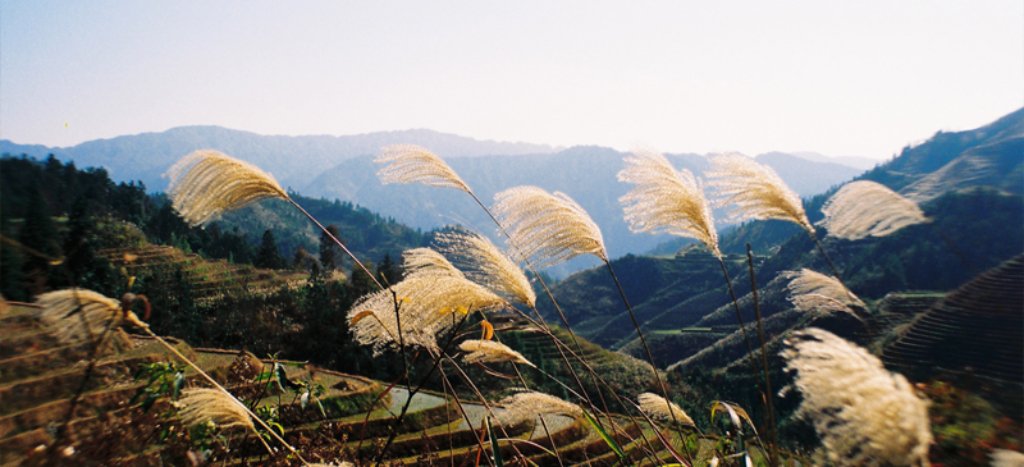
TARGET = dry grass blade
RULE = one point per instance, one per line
(483, 351)
(1006, 458)
(659, 408)
(754, 191)
(814, 292)
(547, 228)
(207, 183)
(199, 405)
(526, 406)
(407, 163)
(666, 200)
(428, 301)
(864, 209)
(864, 414)
(485, 264)
(75, 315)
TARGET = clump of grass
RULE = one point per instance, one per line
(659, 408)
(407, 163)
(207, 183)
(547, 228)
(486, 351)
(864, 209)
(666, 200)
(484, 263)
(754, 191)
(864, 414)
(526, 406)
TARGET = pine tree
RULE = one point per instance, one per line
(330, 254)
(268, 256)
(39, 236)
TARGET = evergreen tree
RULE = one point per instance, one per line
(360, 283)
(39, 236)
(86, 268)
(268, 256)
(330, 254)
(388, 272)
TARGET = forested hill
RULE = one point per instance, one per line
(55, 218)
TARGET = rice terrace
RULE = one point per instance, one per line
(210, 296)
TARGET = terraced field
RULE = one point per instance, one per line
(210, 279)
(40, 377)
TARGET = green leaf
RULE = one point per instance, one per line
(604, 435)
(495, 449)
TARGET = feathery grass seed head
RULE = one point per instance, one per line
(549, 228)
(814, 292)
(419, 260)
(482, 351)
(526, 406)
(76, 314)
(485, 264)
(658, 408)
(864, 414)
(407, 163)
(754, 191)
(199, 405)
(207, 183)
(867, 209)
(666, 200)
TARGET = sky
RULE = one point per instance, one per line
(858, 78)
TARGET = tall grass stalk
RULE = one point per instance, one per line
(769, 394)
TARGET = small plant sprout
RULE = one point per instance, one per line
(665, 200)
(659, 408)
(864, 414)
(485, 351)
(864, 209)
(407, 163)
(526, 406)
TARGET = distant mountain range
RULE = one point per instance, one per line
(341, 167)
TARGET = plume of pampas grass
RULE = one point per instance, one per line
(481, 351)
(754, 191)
(407, 163)
(666, 200)
(867, 209)
(659, 408)
(484, 263)
(76, 314)
(199, 405)
(1006, 458)
(419, 260)
(547, 228)
(812, 291)
(864, 414)
(526, 406)
(428, 299)
(207, 183)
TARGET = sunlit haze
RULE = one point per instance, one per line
(840, 78)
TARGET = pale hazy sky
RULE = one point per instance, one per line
(838, 77)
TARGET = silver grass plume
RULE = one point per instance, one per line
(207, 183)
(864, 209)
(547, 228)
(484, 263)
(418, 260)
(814, 292)
(430, 302)
(666, 200)
(864, 414)
(76, 314)
(1006, 458)
(659, 408)
(199, 405)
(481, 351)
(407, 163)
(754, 191)
(526, 406)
